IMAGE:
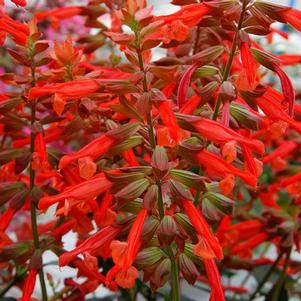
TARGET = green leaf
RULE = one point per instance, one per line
(133, 190)
(205, 71)
(11, 154)
(189, 179)
(125, 145)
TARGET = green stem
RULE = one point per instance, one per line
(227, 69)
(175, 281)
(266, 277)
(33, 213)
(282, 277)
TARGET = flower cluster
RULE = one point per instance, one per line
(167, 170)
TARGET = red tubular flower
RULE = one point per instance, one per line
(190, 15)
(85, 270)
(291, 180)
(70, 90)
(214, 278)
(191, 105)
(221, 134)
(209, 242)
(184, 84)
(170, 120)
(218, 167)
(134, 238)
(124, 254)
(60, 13)
(236, 289)
(287, 88)
(40, 156)
(124, 278)
(20, 2)
(251, 243)
(40, 147)
(18, 31)
(129, 157)
(29, 285)
(283, 150)
(58, 232)
(250, 161)
(274, 111)
(289, 59)
(292, 16)
(92, 244)
(94, 149)
(84, 191)
(248, 62)
(6, 218)
(104, 216)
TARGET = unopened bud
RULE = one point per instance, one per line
(167, 231)
(188, 269)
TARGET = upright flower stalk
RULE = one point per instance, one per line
(175, 280)
(227, 69)
(32, 179)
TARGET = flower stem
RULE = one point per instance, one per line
(175, 281)
(227, 69)
(33, 213)
(266, 277)
(282, 277)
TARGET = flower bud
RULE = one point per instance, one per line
(148, 257)
(151, 198)
(161, 274)
(160, 162)
(149, 228)
(216, 205)
(227, 91)
(188, 269)
(167, 231)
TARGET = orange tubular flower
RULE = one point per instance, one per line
(93, 244)
(94, 149)
(29, 285)
(84, 191)
(208, 246)
(214, 278)
(70, 90)
(216, 166)
(18, 31)
(221, 134)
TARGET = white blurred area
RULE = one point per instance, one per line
(162, 7)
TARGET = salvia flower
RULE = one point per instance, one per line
(84, 191)
(207, 240)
